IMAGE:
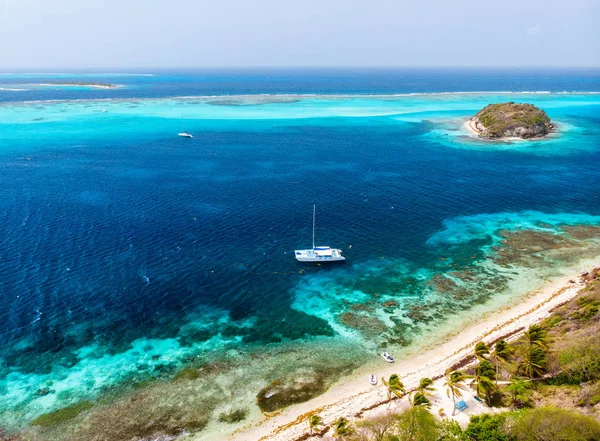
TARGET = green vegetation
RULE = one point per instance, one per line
(394, 387)
(551, 423)
(342, 428)
(519, 393)
(512, 120)
(418, 424)
(454, 386)
(486, 427)
(61, 415)
(482, 380)
(314, 422)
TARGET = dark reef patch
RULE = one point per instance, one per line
(368, 325)
(282, 393)
(235, 416)
(582, 232)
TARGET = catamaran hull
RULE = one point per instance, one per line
(320, 259)
(319, 254)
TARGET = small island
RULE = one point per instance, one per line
(81, 84)
(511, 120)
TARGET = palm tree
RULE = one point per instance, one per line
(536, 335)
(482, 351)
(454, 386)
(503, 351)
(534, 361)
(341, 428)
(314, 421)
(420, 399)
(426, 386)
(484, 386)
(394, 387)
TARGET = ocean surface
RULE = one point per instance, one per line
(130, 257)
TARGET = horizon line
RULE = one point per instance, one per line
(106, 69)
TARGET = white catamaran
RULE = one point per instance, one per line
(319, 254)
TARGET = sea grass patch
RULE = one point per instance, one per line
(366, 324)
(60, 416)
(150, 413)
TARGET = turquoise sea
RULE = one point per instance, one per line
(134, 263)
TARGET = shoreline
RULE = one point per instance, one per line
(352, 396)
(475, 133)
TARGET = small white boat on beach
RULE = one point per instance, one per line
(318, 254)
(373, 379)
(185, 135)
(387, 357)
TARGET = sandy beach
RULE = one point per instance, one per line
(354, 397)
(470, 126)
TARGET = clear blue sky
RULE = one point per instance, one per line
(230, 33)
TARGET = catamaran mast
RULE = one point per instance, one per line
(314, 210)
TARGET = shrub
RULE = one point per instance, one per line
(487, 427)
(551, 423)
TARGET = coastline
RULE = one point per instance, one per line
(353, 396)
(475, 133)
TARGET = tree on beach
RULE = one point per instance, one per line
(482, 382)
(533, 361)
(426, 386)
(341, 428)
(536, 335)
(419, 399)
(534, 353)
(502, 353)
(394, 387)
(482, 351)
(454, 386)
(519, 392)
(314, 421)
(422, 393)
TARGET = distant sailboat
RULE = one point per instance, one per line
(319, 254)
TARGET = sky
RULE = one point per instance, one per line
(85, 34)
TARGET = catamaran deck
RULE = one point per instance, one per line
(319, 254)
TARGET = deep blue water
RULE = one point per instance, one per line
(307, 81)
(118, 238)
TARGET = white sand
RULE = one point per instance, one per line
(351, 397)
